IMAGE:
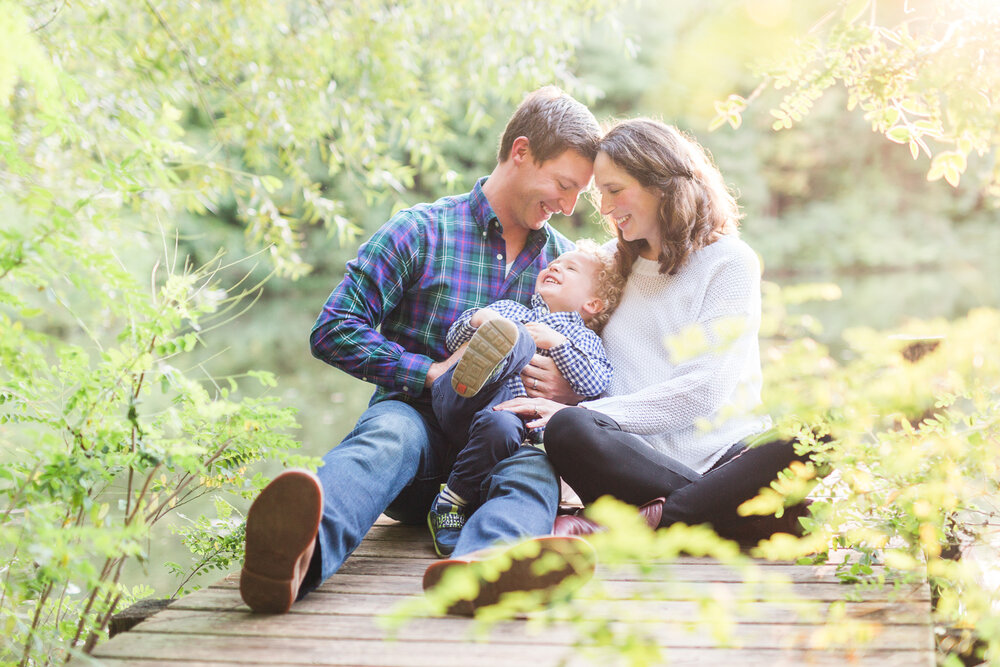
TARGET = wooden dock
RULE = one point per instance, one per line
(339, 623)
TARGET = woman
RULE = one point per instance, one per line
(680, 409)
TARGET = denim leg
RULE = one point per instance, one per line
(392, 449)
(521, 497)
(493, 436)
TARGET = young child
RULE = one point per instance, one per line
(573, 298)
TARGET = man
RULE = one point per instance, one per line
(386, 323)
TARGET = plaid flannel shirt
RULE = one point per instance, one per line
(387, 320)
(581, 359)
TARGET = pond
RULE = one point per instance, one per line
(274, 336)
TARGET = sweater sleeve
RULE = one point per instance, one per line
(708, 359)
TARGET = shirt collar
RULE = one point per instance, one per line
(484, 215)
(482, 212)
(537, 302)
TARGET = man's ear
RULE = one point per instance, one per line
(520, 150)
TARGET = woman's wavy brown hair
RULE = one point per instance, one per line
(696, 207)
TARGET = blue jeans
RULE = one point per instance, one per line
(394, 462)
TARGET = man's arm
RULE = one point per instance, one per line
(346, 333)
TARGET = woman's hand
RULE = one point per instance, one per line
(542, 379)
(539, 410)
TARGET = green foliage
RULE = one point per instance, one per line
(919, 73)
(217, 544)
(908, 425)
(123, 125)
(173, 107)
(104, 434)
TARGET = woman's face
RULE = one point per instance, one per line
(632, 208)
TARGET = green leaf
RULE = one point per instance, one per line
(853, 10)
(899, 134)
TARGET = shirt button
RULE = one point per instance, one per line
(484, 234)
(500, 257)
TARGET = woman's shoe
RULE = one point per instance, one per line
(574, 524)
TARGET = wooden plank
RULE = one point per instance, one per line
(683, 658)
(340, 622)
(668, 633)
(701, 569)
(392, 584)
(792, 611)
(429, 652)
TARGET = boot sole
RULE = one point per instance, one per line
(549, 566)
(491, 343)
(281, 530)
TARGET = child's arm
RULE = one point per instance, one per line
(463, 328)
(582, 361)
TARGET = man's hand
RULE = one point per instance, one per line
(544, 336)
(543, 380)
(439, 368)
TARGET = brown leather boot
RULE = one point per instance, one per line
(547, 566)
(574, 524)
(282, 525)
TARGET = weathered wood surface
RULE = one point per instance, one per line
(809, 620)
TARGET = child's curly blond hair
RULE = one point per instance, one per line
(608, 283)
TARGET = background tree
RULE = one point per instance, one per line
(118, 122)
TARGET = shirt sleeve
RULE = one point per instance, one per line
(582, 361)
(461, 330)
(703, 383)
(346, 332)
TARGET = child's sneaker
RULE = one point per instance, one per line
(487, 349)
(445, 521)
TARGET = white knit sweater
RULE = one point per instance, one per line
(686, 356)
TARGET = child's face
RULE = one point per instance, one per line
(568, 284)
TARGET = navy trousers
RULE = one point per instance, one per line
(489, 435)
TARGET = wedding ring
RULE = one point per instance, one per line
(534, 383)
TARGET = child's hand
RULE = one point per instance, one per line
(545, 337)
(482, 316)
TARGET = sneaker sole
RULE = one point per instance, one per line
(548, 565)
(489, 345)
(281, 530)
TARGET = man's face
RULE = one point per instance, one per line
(550, 187)
(567, 284)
